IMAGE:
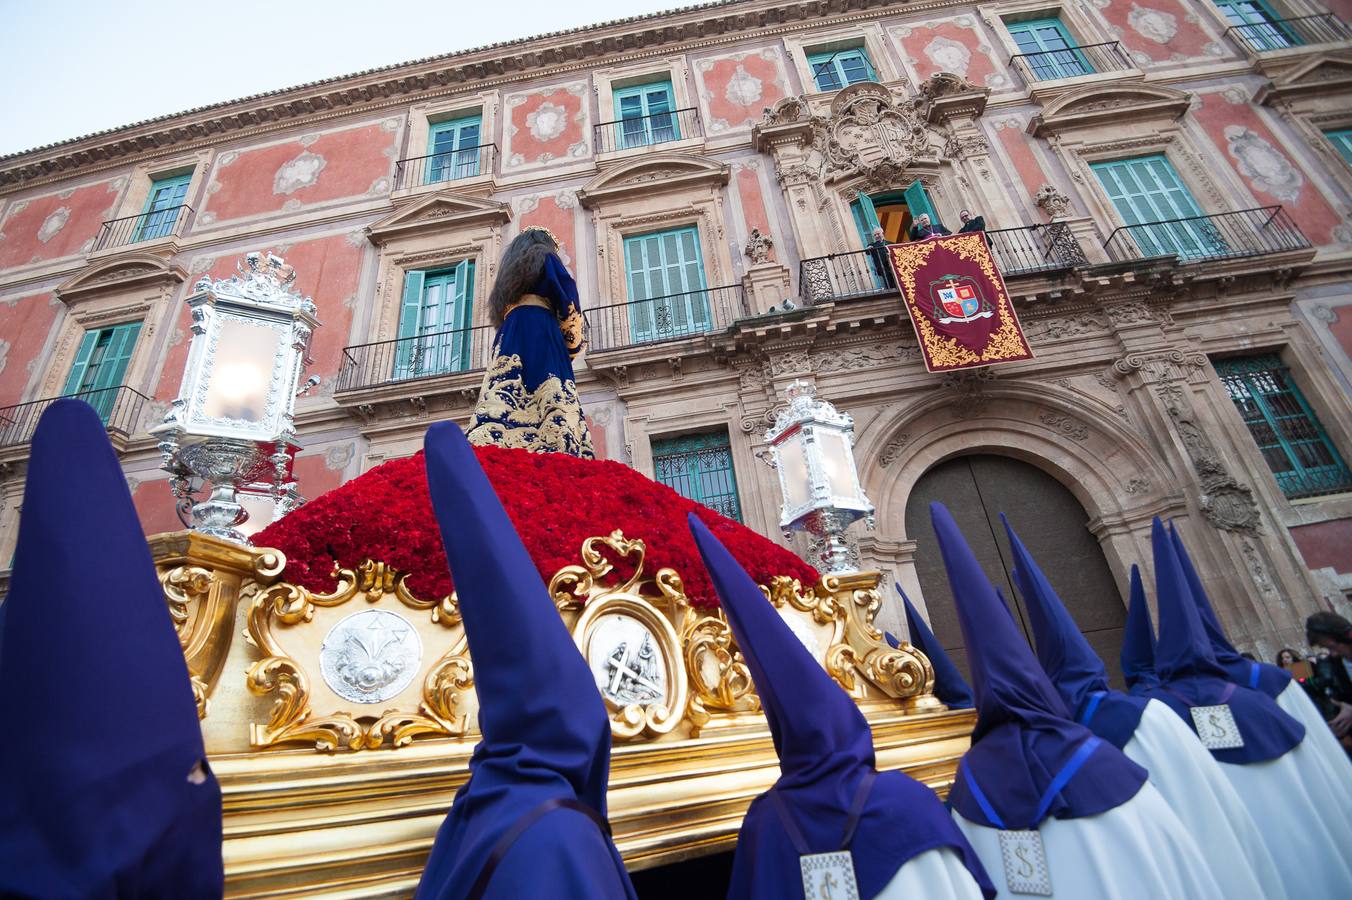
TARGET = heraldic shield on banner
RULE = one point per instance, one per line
(958, 304)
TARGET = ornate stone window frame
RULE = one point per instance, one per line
(868, 35)
(937, 176)
(667, 417)
(129, 288)
(1313, 98)
(137, 192)
(605, 82)
(437, 232)
(1083, 26)
(421, 118)
(653, 193)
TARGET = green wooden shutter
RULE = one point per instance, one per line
(1146, 191)
(1342, 142)
(666, 267)
(461, 313)
(113, 367)
(409, 312)
(919, 203)
(77, 369)
(162, 207)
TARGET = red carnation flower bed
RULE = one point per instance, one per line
(555, 501)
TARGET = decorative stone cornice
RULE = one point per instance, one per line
(120, 273)
(659, 173)
(467, 70)
(442, 210)
(1102, 104)
(1326, 73)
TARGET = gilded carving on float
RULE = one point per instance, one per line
(368, 656)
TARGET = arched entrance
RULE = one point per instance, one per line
(1051, 522)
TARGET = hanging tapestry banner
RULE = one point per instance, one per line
(957, 302)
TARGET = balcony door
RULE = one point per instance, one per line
(101, 364)
(162, 207)
(667, 292)
(893, 212)
(434, 323)
(1258, 24)
(1048, 49)
(1166, 221)
(645, 114)
(453, 148)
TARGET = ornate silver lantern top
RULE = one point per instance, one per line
(812, 443)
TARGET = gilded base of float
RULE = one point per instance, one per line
(325, 797)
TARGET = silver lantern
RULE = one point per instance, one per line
(233, 424)
(812, 444)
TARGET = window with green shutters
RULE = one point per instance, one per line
(1258, 24)
(1147, 193)
(1293, 443)
(162, 207)
(645, 114)
(699, 467)
(434, 322)
(667, 293)
(453, 146)
(1342, 142)
(835, 69)
(101, 364)
(1048, 49)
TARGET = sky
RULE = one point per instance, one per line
(82, 66)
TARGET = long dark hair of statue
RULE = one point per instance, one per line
(522, 264)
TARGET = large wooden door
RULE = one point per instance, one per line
(1051, 522)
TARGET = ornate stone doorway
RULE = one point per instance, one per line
(1051, 522)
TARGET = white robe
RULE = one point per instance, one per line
(1304, 819)
(934, 875)
(1297, 704)
(1136, 851)
(1192, 783)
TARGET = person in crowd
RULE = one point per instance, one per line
(891, 835)
(924, 227)
(1263, 751)
(105, 790)
(1332, 633)
(531, 820)
(949, 685)
(1149, 733)
(1051, 808)
(1138, 642)
(1287, 657)
(971, 223)
(529, 394)
(882, 266)
(1276, 682)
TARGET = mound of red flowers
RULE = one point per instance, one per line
(555, 501)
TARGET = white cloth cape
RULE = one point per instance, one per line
(1322, 744)
(1192, 783)
(1136, 851)
(1300, 807)
(934, 875)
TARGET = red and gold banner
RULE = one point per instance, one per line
(958, 303)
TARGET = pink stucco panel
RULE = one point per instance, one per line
(753, 202)
(1018, 146)
(954, 46)
(1326, 544)
(328, 269)
(51, 226)
(1251, 149)
(546, 125)
(316, 475)
(155, 507)
(1341, 328)
(555, 213)
(25, 323)
(350, 162)
(737, 89)
(1160, 30)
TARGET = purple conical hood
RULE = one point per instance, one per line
(1138, 640)
(949, 685)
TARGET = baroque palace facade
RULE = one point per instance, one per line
(1167, 185)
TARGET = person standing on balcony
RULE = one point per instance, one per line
(882, 268)
(925, 228)
(971, 223)
(529, 397)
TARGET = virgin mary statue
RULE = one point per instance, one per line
(529, 397)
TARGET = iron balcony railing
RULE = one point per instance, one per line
(1312, 482)
(119, 407)
(664, 318)
(148, 225)
(1071, 62)
(451, 165)
(1232, 235)
(646, 131)
(420, 356)
(1279, 34)
(864, 273)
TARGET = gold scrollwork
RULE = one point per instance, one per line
(903, 673)
(442, 711)
(182, 586)
(718, 672)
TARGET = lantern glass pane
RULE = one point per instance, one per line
(835, 460)
(241, 373)
(793, 474)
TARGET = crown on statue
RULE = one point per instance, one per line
(553, 237)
